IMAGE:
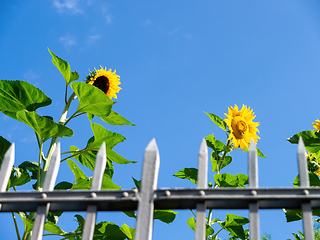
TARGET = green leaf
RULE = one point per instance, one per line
(188, 173)
(44, 127)
(260, 154)
(77, 172)
(103, 135)
(115, 157)
(235, 220)
(4, 146)
(192, 223)
(243, 179)
(233, 224)
(28, 224)
(217, 120)
(216, 145)
(64, 68)
(128, 231)
(166, 216)
(131, 214)
(293, 214)
(63, 186)
(310, 139)
(54, 217)
(136, 182)
(31, 167)
(19, 177)
(313, 178)
(19, 95)
(92, 99)
(215, 163)
(51, 227)
(226, 180)
(109, 230)
(115, 119)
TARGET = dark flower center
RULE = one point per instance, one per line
(102, 83)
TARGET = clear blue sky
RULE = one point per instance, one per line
(176, 59)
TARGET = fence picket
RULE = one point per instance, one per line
(149, 180)
(97, 179)
(202, 183)
(48, 185)
(304, 182)
(253, 183)
(6, 167)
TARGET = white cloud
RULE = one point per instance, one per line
(93, 38)
(67, 41)
(31, 75)
(70, 5)
(109, 18)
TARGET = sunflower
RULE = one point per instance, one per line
(316, 125)
(241, 128)
(107, 81)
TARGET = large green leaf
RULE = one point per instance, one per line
(108, 230)
(293, 214)
(128, 231)
(19, 177)
(216, 145)
(4, 146)
(116, 119)
(92, 100)
(166, 216)
(19, 95)
(115, 157)
(64, 68)
(88, 158)
(101, 135)
(217, 120)
(44, 127)
(188, 173)
(31, 167)
(223, 163)
(311, 140)
(234, 224)
(51, 227)
(226, 180)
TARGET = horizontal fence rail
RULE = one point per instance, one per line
(149, 197)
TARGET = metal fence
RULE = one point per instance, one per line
(149, 198)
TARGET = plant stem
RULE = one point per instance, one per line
(16, 226)
(39, 167)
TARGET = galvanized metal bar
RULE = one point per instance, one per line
(202, 183)
(99, 168)
(167, 198)
(304, 182)
(6, 167)
(253, 183)
(149, 180)
(48, 185)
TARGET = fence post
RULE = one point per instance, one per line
(99, 168)
(149, 180)
(48, 185)
(304, 182)
(202, 183)
(253, 183)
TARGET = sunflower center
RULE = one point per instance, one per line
(239, 127)
(102, 83)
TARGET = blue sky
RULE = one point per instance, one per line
(175, 59)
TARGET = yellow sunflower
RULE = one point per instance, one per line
(241, 128)
(316, 125)
(107, 81)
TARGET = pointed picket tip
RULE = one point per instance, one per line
(10, 152)
(252, 146)
(6, 167)
(102, 151)
(203, 165)
(152, 146)
(203, 147)
(53, 169)
(301, 147)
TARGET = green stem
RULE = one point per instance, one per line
(39, 167)
(76, 114)
(16, 226)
